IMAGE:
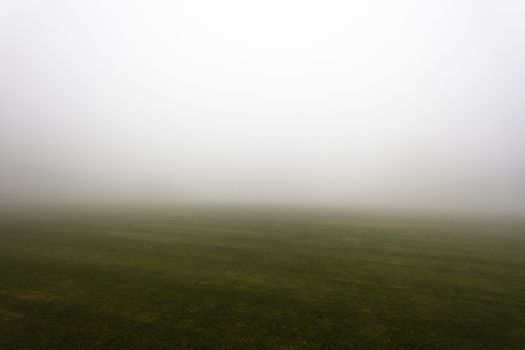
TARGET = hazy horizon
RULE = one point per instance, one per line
(404, 105)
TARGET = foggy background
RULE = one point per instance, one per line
(373, 104)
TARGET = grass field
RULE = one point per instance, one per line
(174, 280)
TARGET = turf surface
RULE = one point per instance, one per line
(175, 280)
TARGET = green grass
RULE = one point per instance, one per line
(232, 281)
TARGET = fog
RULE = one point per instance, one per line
(370, 104)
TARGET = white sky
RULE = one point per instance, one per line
(398, 104)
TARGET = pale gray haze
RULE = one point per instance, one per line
(373, 104)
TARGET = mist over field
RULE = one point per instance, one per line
(261, 175)
(368, 104)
